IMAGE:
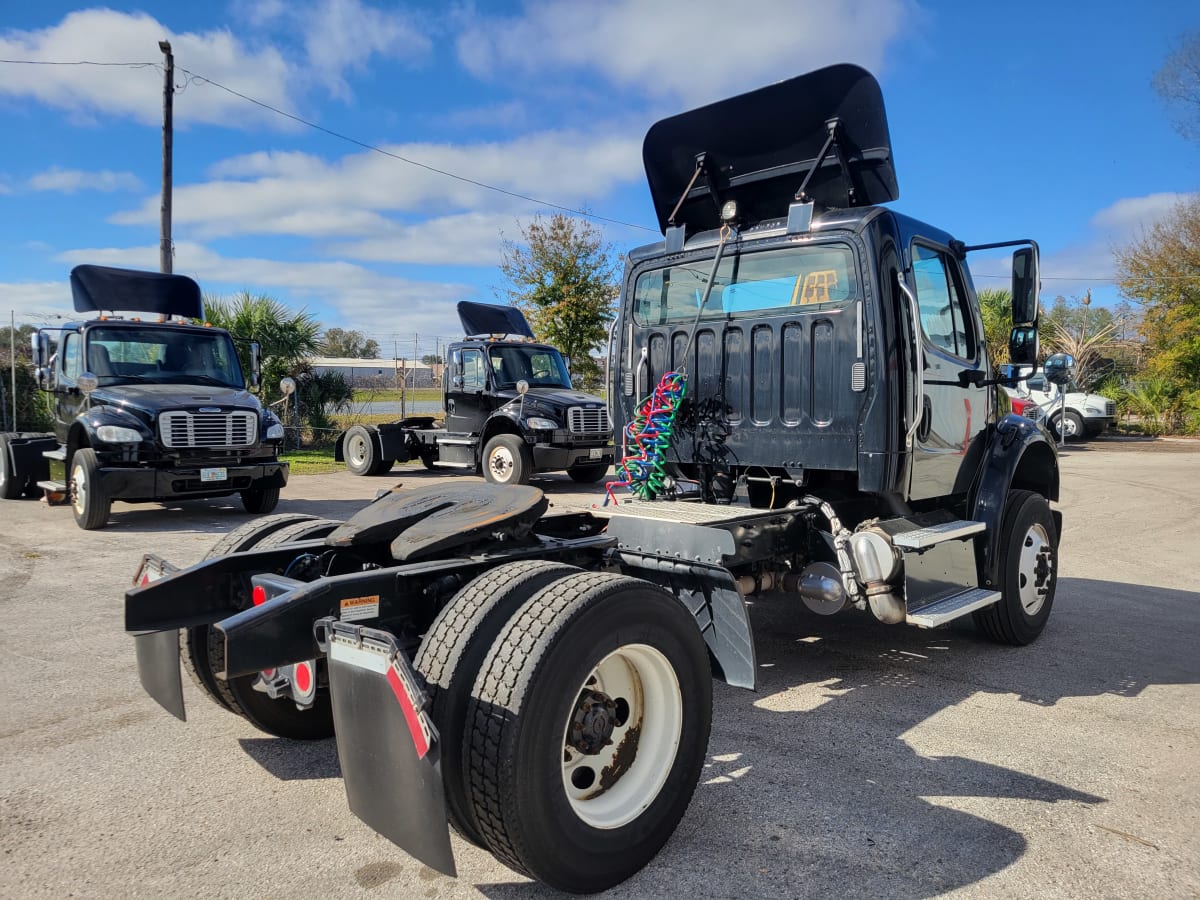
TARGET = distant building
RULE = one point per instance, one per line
(376, 373)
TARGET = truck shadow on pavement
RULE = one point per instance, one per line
(816, 785)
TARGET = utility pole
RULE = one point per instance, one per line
(12, 349)
(164, 249)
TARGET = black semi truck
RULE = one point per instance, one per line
(144, 409)
(807, 406)
(510, 409)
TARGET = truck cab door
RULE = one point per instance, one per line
(466, 391)
(69, 401)
(1040, 390)
(954, 408)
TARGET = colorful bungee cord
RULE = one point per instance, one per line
(647, 437)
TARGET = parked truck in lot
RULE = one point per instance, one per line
(510, 408)
(143, 410)
(807, 406)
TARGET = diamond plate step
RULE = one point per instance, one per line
(936, 534)
(939, 612)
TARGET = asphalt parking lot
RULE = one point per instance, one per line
(873, 761)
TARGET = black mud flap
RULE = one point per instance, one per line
(158, 651)
(388, 747)
(158, 669)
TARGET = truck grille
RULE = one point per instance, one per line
(1033, 411)
(1110, 408)
(185, 429)
(588, 421)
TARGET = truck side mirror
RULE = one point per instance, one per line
(1023, 345)
(1025, 286)
(255, 365)
(40, 348)
(1059, 368)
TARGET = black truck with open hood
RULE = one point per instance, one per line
(144, 409)
(511, 411)
(807, 405)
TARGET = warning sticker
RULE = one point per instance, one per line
(355, 609)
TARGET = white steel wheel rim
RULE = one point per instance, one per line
(1035, 550)
(501, 463)
(79, 489)
(358, 450)
(643, 747)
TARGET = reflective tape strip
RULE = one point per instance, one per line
(416, 725)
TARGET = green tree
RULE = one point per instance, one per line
(287, 337)
(337, 342)
(1160, 271)
(31, 404)
(564, 277)
(995, 304)
(432, 359)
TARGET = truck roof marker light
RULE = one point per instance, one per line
(259, 595)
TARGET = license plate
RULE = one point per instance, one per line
(207, 475)
(596, 453)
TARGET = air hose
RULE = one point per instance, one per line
(648, 435)
(643, 471)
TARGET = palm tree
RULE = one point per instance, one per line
(287, 337)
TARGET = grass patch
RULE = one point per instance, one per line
(312, 462)
(392, 395)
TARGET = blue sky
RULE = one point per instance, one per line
(1008, 120)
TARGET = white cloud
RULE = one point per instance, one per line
(1088, 262)
(36, 301)
(362, 299)
(338, 36)
(344, 34)
(1130, 214)
(693, 50)
(105, 35)
(469, 239)
(68, 181)
(300, 194)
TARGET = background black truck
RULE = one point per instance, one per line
(510, 408)
(143, 410)
(806, 399)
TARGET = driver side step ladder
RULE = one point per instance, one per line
(947, 607)
(939, 612)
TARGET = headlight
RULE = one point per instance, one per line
(275, 432)
(539, 424)
(1093, 411)
(116, 434)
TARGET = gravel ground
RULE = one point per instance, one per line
(873, 761)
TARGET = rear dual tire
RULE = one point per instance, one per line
(590, 659)
(203, 648)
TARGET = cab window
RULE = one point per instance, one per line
(72, 365)
(945, 316)
(780, 281)
(472, 370)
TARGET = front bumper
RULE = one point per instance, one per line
(549, 456)
(144, 483)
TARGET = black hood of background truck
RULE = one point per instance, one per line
(150, 399)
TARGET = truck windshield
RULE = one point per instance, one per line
(540, 366)
(749, 284)
(116, 355)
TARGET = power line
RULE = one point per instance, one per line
(196, 77)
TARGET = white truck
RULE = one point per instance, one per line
(1085, 415)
